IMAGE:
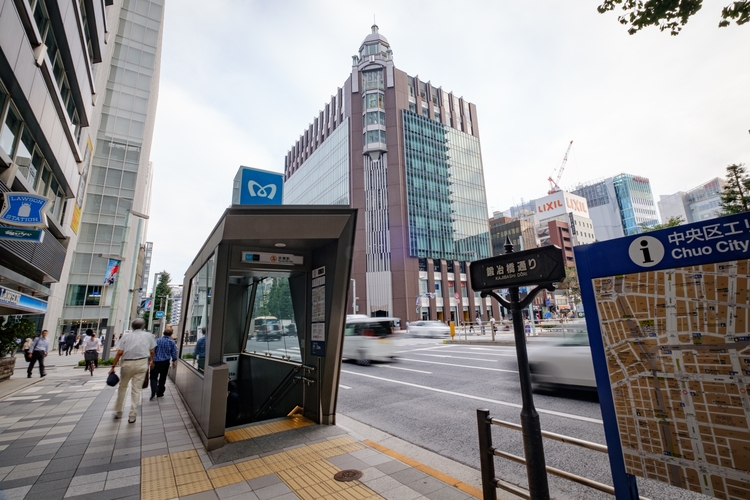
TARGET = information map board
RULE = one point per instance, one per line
(668, 315)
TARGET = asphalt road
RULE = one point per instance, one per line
(430, 395)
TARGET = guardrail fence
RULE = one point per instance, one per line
(487, 454)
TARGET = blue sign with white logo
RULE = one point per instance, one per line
(24, 209)
(159, 314)
(259, 187)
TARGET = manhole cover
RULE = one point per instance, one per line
(348, 475)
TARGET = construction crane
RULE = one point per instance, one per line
(554, 183)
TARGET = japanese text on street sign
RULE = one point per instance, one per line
(529, 267)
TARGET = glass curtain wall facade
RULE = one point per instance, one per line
(637, 207)
(445, 191)
(324, 177)
(120, 170)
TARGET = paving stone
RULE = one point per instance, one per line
(87, 487)
(272, 491)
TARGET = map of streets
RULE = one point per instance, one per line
(678, 354)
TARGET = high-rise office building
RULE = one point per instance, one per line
(619, 205)
(176, 303)
(700, 203)
(51, 54)
(117, 200)
(407, 155)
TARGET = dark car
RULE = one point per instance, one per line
(268, 331)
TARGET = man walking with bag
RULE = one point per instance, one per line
(136, 349)
(165, 351)
(39, 349)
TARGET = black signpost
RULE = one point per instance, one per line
(538, 266)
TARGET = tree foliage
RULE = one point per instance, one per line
(736, 195)
(672, 222)
(278, 301)
(160, 301)
(670, 15)
(13, 331)
(571, 284)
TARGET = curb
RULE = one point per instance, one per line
(469, 490)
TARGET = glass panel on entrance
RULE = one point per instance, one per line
(273, 331)
(193, 344)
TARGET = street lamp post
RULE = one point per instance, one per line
(112, 319)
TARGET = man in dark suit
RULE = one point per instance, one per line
(70, 340)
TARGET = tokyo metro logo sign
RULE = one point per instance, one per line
(258, 187)
(267, 191)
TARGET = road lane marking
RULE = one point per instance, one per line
(478, 353)
(406, 369)
(460, 366)
(344, 386)
(479, 398)
(455, 357)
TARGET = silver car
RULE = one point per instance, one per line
(425, 328)
(565, 362)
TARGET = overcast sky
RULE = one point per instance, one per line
(241, 80)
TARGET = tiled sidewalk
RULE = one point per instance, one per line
(58, 440)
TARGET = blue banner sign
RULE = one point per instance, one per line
(21, 301)
(258, 187)
(25, 210)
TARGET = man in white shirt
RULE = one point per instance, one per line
(136, 349)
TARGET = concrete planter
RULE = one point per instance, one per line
(7, 365)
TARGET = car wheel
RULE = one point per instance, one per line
(362, 360)
(537, 382)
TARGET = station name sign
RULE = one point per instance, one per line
(529, 267)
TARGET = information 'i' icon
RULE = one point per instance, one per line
(646, 251)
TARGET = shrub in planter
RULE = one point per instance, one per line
(102, 362)
(13, 331)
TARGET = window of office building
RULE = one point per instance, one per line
(373, 118)
(84, 295)
(373, 100)
(372, 80)
(18, 143)
(43, 24)
(445, 192)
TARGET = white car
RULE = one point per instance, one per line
(369, 339)
(428, 329)
(565, 362)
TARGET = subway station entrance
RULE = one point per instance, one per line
(264, 309)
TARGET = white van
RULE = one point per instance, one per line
(369, 339)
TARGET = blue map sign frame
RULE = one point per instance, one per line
(258, 187)
(646, 272)
(24, 210)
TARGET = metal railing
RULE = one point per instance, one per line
(487, 452)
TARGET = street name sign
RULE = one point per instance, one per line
(19, 234)
(668, 318)
(528, 267)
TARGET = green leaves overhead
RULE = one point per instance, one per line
(670, 15)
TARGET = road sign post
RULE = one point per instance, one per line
(541, 267)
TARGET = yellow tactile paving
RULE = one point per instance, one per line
(257, 430)
(224, 476)
(251, 469)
